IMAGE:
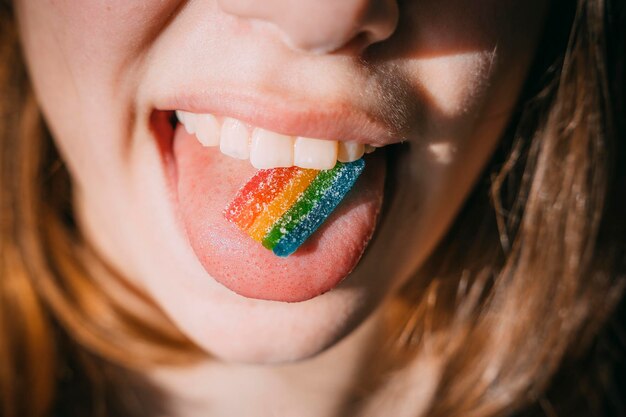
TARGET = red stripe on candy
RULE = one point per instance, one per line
(256, 194)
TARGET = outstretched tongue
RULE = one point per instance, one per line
(208, 181)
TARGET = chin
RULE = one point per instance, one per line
(268, 332)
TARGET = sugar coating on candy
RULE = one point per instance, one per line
(301, 208)
(329, 199)
(256, 194)
(283, 207)
(281, 203)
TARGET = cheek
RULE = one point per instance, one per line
(452, 84)
(88, 39)
(465, 93)
(81, 57)
(465, 60)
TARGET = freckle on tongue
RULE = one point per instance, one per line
(208, 181)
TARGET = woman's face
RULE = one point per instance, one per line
(432, 83)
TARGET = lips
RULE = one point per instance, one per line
(204, 181)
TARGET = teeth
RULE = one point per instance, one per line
(350, 151)
(270, 150)
(267, 149)
(180, 115)
(207, 130)
(315, 153)
(188, 120)
(234, 141)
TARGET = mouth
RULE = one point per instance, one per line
(209, 157)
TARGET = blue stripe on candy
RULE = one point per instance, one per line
(343, 182)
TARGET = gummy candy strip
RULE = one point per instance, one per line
(282, 207)
(331, 198)
(258, 192)
(301, 209)
(281, 203)
(312, 208)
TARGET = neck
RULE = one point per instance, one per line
(318, 387)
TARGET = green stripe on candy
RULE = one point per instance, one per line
(316, 204)
(301, 208)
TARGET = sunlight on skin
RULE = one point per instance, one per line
(443, 152)
(445, 79)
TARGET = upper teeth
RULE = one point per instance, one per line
(267, 149)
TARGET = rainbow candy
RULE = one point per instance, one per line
(282, 207)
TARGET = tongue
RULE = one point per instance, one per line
(207, 181)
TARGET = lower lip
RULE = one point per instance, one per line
(204, 181)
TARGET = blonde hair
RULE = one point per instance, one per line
(480, 331)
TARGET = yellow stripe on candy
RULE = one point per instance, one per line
(281, 203)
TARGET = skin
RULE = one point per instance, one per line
(444, 76)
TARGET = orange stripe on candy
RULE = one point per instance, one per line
(274, 210)
(253, 197)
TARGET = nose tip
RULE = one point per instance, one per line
(322, 26)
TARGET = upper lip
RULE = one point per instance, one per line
(290, 116)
